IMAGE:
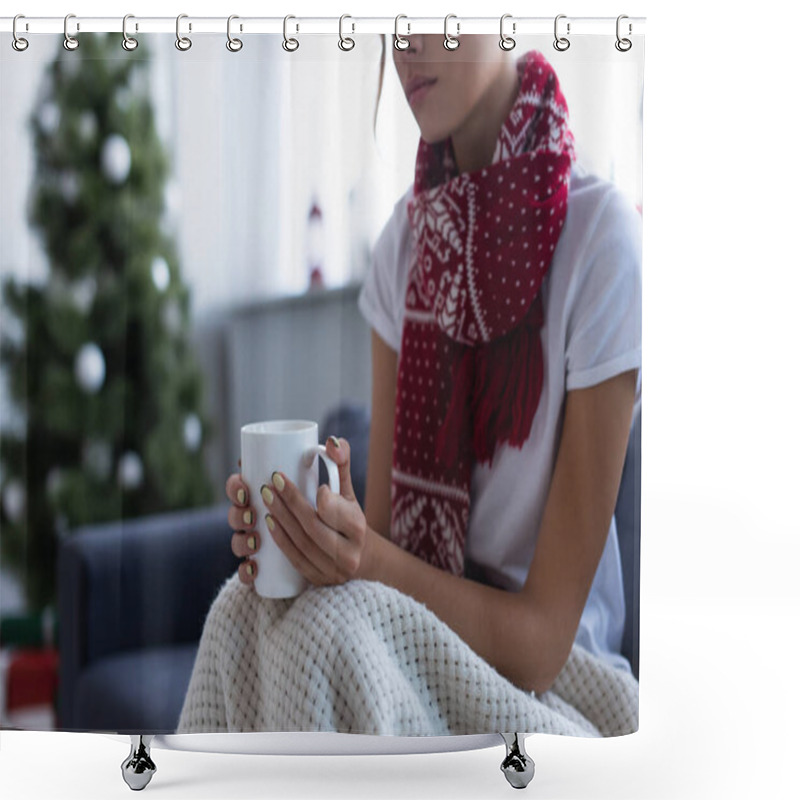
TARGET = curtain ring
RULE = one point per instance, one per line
(345, 42)
(128, 42)
(561, 43)
(18, 43)
(400, 42)
(451, 42)
(623, 45)
(70, 42)
(506, 42)
(289, 45)
(234, 45)
(183, 43)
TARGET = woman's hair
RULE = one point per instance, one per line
(381, 71)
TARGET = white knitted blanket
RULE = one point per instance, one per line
(365, 658)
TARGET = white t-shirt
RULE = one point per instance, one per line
(592, 331)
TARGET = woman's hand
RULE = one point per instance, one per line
(326, 546)
(242, 518)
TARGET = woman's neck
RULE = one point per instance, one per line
(474, 142)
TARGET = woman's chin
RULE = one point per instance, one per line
(433, 134)
(431, 126)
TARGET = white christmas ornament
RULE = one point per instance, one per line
(160, 273)
(192, 432)
(14, 500)
(97, 458)
(130, 471)
(49, 118)
(90, 368)
(116, 158)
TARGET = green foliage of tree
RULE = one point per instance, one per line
(100, 371)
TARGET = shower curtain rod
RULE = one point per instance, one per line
(518, 26)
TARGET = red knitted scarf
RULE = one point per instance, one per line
(471, 363)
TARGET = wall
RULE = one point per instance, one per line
(290, 358)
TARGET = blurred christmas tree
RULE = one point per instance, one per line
(100, 371)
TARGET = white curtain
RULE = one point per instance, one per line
(281, 144)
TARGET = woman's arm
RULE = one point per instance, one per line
(527, 636)
(377, 502)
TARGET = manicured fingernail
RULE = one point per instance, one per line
(249, 569)
(248, 517)
(267, 494)
(270, 522)
(335, 441)
(241, 495)
(251, 542)
(278, 481)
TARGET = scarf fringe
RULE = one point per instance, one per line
(483, 381)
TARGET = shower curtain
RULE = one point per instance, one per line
(427, 244)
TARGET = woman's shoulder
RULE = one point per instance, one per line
(598, 255)
(396, 226)
(598, 206)
(392, 247)
(602, 232)
(381, 298)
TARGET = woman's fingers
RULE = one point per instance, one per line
(245, 543)
(248, 571)
(301, 559)
(241, 518)
(328, 548)
(339, 451)
(341, 514)
(245, 539)
(236, 490)
(324, 544)
(286, 525)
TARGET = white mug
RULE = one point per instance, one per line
(290, 447)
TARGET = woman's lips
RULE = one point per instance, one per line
(417, 89)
